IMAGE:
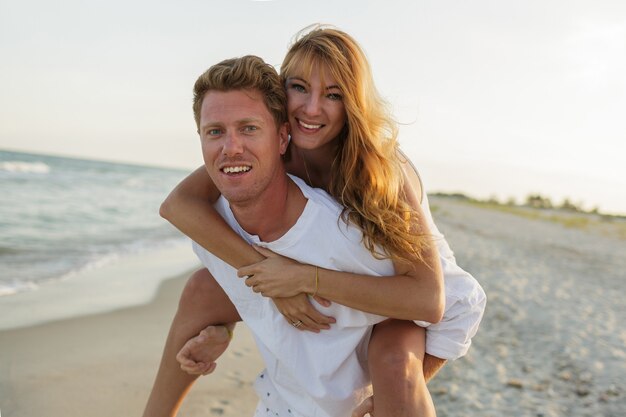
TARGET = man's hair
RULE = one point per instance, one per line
(245, 73)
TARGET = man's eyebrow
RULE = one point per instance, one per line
(246, 120)
(209, 124)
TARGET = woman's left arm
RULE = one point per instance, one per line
(416, 292)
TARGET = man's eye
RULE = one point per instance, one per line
(213, 132)
(250, 128)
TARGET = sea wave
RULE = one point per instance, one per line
(7, 250)
(10, 288)
(68, 217)
(25, 167)
(96, 261)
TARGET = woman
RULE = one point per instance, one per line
(342, 141)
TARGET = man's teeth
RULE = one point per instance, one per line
(309, 126)
(234, 170)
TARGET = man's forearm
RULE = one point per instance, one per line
(432, 365)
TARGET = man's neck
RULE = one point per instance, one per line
(274, 212)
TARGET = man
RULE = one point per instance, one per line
(307, 373)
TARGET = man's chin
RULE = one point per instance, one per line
(238, 197)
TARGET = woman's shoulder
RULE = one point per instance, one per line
(411, 175)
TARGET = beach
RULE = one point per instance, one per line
(552, 341)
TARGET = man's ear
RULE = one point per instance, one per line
(283, 133)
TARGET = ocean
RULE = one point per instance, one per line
(62, 217)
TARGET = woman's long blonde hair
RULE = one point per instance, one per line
(366, 175)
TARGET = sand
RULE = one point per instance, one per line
(552, 342)
(104, 364)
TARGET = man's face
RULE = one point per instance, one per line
(241, 144)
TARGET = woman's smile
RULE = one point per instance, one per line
(316, 110)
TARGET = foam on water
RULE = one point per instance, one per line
(64, 221)
(129, 280)
(26, 167)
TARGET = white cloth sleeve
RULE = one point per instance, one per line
(465, 305)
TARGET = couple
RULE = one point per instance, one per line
(319, 356)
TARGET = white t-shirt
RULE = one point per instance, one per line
(325, 374)
(307, 374)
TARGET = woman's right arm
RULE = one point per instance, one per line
(189, 207)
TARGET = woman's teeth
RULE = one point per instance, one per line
(308, 126)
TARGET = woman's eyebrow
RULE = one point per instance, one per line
(298, 79)
(302, 80)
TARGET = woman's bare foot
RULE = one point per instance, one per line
(198, 355)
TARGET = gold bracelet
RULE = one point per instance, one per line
(317, 281)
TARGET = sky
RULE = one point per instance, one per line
(495, 98)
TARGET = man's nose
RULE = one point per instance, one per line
(233, 145)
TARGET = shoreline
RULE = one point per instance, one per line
(129, 281)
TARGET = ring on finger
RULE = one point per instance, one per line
(296, 324)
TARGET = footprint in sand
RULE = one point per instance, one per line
(219, 411)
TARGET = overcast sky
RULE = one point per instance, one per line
(496, 97)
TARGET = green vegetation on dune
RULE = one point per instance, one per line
(536, 207)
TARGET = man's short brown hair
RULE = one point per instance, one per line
(245, 73)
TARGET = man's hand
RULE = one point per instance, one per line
(198, 355)
(366, 407)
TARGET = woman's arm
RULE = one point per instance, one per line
(189, 207)
(416, 292)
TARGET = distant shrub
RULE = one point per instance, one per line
(569, 206)
(538, 201)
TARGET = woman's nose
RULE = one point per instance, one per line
(313, 107)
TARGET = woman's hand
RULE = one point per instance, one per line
(278, 276)
(366, 407)
(285, 281)
(299, 312)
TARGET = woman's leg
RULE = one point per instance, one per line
(396, 355)
(202, 303)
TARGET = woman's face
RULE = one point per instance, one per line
(316, 111)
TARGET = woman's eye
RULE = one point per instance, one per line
(298, 88)
(335, 96)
